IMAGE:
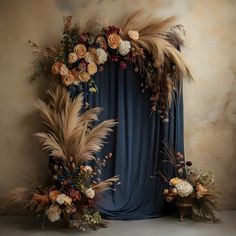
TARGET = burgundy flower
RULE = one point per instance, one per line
(188, 163)
(75, 195)
(123, 65)
(112, 29)
(114, 58)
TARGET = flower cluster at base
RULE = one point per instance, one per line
(191, 185)
(147, 43)
(71, 195)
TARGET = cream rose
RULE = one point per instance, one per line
(80, 50)
(63, 70)
(92, 68)
(72, 57)
(133, 34)
(90, 193)
(114, 40)
(68, 79)
(53, 213)
(84, 76)
(62, 198)
(56, 67)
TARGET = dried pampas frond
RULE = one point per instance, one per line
(70, 134)
(105, 185)
(20, 196)
(162, 41)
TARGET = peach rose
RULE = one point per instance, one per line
(114, 40)
(91, 56)
(133, 34)
(68, 79)
(200, 191)
(72, 57)
(63, 70)
(92, 68)
(174, 181)
(56, 67)
(102, 42)
(84, 76)
(53, 195)
(80, 50)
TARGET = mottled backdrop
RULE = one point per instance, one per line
(210, 106)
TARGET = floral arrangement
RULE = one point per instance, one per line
(192, 185)
(149, 44)
(74, 184)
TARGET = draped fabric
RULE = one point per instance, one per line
(135, 143)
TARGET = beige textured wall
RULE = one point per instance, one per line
(210, 109)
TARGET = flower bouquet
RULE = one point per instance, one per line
(192, 188)
(149, 44)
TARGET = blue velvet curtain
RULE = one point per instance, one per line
(135, 143)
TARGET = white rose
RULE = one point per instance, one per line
(72, 57)
(102, 56)
(90, 193)
(53, 213)
(124, 47)
(63, 70)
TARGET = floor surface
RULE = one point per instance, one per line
(165, 226)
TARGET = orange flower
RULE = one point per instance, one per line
(53, 195)
(114, 40)
(174, 181)
(68, 79)
(56, 67)
(80, 50)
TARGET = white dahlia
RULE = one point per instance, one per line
(184, 188)
(102, 56)
(124, 47)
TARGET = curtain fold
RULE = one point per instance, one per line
(135, 143)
